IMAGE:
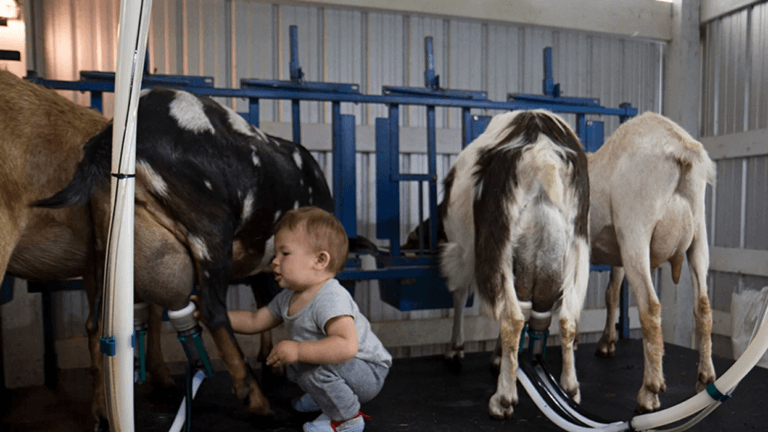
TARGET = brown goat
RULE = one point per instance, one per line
(41, 145)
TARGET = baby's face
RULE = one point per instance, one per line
(294, 260)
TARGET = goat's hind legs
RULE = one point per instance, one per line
(606, 346)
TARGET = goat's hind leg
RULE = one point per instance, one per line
(501, 405)
(698, 261)
(264, 290)
(214, 313)
(637, 267)
(574, 293)
(456, 350)
(457, 267)
(158, 375)
(606, 346)
(93, 330)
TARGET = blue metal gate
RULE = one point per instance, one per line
(408, 282)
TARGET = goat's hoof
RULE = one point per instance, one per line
(100, 424)
(241, 392)
(647, 401)
(456, 352)
(99, 412)
(262, 412)
(605, 349)
(453, 363)
(501, 408)
(257, 403)
(704, 379)
(575, 395)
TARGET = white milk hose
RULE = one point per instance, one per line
(118, 275)
(699, 405)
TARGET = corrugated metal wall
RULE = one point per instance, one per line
(735, 99)
(232, 39)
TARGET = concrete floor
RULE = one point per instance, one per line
(421, 394)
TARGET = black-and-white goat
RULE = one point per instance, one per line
(209, 189)
(516, 222)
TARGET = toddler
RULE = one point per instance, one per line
(332, 353)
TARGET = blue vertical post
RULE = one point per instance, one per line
(624, 310)
(430, 79)
(624, 299)
(296, 73)
(394, 169)
(97, 99)
(421, 216)
(625, 105)
(432, 158)
(296, 121)
(466, 127)
(344, 170)
(595, 136)
(297, 76)
(479, 124)
(581, 128)
(6, 289)
(549, 88)
(253, 111)
(387, 191)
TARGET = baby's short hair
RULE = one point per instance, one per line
(325, 231)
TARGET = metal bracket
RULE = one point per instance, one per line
(107, 346)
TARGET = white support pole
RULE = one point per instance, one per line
(117, 315)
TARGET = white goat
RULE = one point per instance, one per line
(647, 186)
(516, 223)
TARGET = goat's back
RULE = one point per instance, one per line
(657, 136)
(649, 175)
(40, 146)
(43, 135)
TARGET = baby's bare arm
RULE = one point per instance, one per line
(339, 346)
(250, 322)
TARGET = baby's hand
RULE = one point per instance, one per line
(286, 352)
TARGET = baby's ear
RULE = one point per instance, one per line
(323, 260)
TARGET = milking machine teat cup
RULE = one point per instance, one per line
(191, 338)
(537, 329)
(140, 325)
(538, 332)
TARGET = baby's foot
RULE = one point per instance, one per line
(305, 404)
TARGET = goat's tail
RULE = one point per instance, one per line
(94, 166)
(548, 169)
(690, 152)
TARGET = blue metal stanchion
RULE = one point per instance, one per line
(392, 265)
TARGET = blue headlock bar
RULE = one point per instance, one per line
(395, 266)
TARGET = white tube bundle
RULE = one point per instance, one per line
(695, 408)
(117, 316)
